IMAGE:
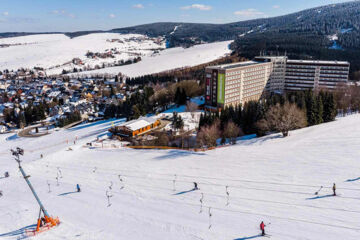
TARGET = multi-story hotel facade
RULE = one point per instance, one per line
(237, 83)
(233, 84)
(313, 75)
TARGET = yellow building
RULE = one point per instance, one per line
(137, 127)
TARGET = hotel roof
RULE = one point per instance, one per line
(317, 62)
(235, 65)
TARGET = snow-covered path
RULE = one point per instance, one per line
(271, 179)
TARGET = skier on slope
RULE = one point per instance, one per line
(334, 189)
(196, 186)
(78, 188)
(262, 228)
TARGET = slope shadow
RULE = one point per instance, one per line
(353, 180)
(252, 237)
(184, 192)
(20, 233)
(67, 193)
(319, 197)
(178, 153)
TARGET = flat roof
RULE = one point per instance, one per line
(235, 65)
(317, 62)
(271, 57)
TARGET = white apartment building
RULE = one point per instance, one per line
(237, 83)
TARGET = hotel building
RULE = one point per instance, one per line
(237, 83)
(232, 84)
(305, 75)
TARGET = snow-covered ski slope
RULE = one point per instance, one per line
(271, 179)
(169, 59)
(49, 50)
(55, 52)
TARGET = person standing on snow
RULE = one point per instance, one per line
(195, 186)
(334, 189)
(262, 228)
(78, 188)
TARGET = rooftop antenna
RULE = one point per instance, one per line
(47, 221)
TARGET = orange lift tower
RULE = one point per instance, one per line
(44, 222)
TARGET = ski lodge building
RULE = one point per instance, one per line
(136, 127)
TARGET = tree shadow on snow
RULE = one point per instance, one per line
(252, 237)
(19, 233)
(177, 154)
(184, 192)
(353, 180)
(260, 140)
(12, 137)
(319, 197)
(67, 193)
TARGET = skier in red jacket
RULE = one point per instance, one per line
(262, 228)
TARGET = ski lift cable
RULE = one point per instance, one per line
(235, 197)
(222, 179)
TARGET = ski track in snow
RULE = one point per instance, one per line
(270, 179)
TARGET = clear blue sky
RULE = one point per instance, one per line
(74, 15)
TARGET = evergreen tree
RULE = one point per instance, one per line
(330, 111)
(177, 98)
(320, 110)
(311, 110)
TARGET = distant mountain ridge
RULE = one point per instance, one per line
(325, 20)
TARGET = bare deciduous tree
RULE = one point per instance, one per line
(208, 135)
(232, 131)
(283, 118)
(192, 108)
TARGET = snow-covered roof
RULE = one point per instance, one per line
(139, 123)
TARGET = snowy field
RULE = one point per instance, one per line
(271, 179)
(54, 52)
(169, 59)
(49, 50)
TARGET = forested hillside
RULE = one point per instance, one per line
(328, 32)
(342, 19)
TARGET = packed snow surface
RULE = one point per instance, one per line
(270, 179)
(170, 59)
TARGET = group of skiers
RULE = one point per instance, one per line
(262, 224)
